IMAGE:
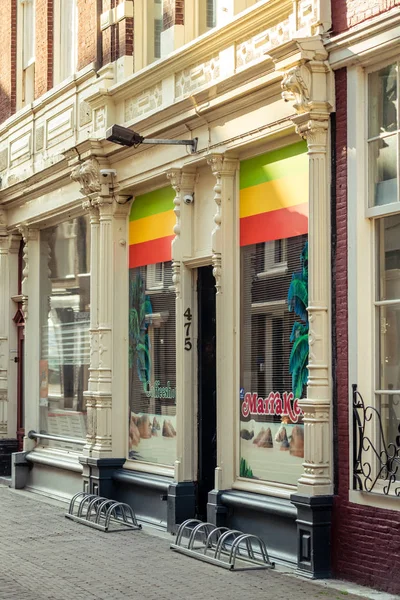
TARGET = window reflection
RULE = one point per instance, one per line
(65, 321)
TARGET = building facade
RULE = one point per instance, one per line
(364, 52)
(169, 310)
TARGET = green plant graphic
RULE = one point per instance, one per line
(297, 303)
(245, 470)
(139, 344)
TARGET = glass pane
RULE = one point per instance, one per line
(389, 347)
(274, 358)
(158, 23)
(382, 162)
(382, 101)
(65, 322)
(388, 257)
(152, 364)
(388, 438)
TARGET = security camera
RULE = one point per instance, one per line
(188, 198)
(106, 172)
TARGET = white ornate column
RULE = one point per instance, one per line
(183, 182)
(308, 85)
(4, 323)
(225, 258)
(31, 298)
(87, 175)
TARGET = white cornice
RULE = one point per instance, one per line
(375, 39)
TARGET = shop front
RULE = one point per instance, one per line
(176, 305)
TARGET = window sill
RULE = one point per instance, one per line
(133, 465)
(374, 500)
(267, 488)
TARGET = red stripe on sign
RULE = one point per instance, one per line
(151, 252)
(274, 225)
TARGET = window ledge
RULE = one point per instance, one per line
(280, 269)
(375, 500)
(266, 488)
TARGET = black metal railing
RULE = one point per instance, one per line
(376, 460)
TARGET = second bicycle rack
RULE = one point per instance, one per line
(101, 513)
(227, 548)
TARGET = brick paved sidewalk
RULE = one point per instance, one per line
(45, 556)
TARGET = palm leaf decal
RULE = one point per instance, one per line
(139, 344)
(297, 303)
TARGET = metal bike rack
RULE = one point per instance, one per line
(101, 513)
(227, 548)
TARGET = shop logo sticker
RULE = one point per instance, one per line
(274, 404)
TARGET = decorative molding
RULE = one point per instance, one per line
(197, 76)
(60, 126)
(85, 113)
(3, 159)
(39, 138)
(149, 100)
(216, 163)
(87, 174)
(175, 177)
(3, 222)
(296, 85)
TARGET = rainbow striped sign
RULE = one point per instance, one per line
(274, 195)
(151, 223)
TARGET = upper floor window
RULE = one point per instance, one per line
(27, 36)
(383, 135)
(65, 39)
(374, 279)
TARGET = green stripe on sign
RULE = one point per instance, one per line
(274, 165)
(152, 203)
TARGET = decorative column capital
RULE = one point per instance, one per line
(182, 181)
(87, 174)
(3, 222)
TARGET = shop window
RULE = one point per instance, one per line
(376, 293)
(65, 39)
(152, 330)
(274, 318)
(65, 322)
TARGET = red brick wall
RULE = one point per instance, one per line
(366, 541)
(87, 32)
(173, 13)
(347, 13)
(8, 33)
(43, 47)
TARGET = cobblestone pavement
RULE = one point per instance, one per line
(45, 556)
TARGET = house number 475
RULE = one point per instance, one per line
(187, 325)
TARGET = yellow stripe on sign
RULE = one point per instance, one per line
(273, 195)
(152, 228)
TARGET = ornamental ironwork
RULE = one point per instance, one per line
(376, 460)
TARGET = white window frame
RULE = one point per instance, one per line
(59, 69)
(362, 264)
(25, 68)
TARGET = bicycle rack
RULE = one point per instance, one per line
(101, 513)
(227, 548)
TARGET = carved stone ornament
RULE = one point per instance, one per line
(87, 175)
(3, 221)
(296, 85)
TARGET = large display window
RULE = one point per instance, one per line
(152, 330)
(65, 322)
(274, 319)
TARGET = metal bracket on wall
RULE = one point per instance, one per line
(227, 548)
(101, 513)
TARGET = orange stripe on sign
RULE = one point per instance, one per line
(274, 225)
(149, 253)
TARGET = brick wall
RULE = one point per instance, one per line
(173, 13)
(8, 33)
(347, 13)
(87, 32)
(366, 541)
(43, 47)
